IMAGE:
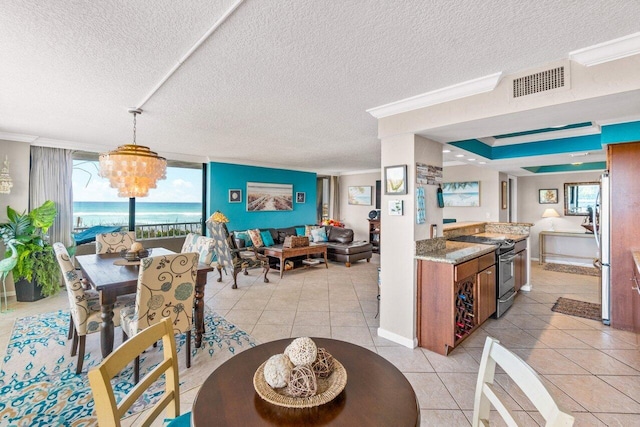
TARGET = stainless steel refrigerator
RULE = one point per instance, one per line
(602, 232)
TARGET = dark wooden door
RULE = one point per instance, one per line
(486, 293)
(520, 265)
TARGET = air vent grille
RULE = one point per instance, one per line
(539, 82)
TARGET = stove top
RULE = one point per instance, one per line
(504, 245)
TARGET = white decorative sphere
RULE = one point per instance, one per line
(136, 247)
(302, 351)
(277, 370)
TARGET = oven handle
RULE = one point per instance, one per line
(513, 295)
(507, 259)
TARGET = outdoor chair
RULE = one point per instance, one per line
(107, 243)
(229, 256)
(205, 246)
(108, 411)
(166, 288)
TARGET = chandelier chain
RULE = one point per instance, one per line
(134, 127)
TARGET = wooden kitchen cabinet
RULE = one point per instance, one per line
(453, 300)
(520, 265)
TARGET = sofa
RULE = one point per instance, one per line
(340, 245)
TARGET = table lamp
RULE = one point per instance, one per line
(550, 213)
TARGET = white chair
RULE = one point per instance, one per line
(524, 377)
(114, 242)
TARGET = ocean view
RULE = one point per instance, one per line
(88, 214)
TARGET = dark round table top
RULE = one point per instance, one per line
(376, 394)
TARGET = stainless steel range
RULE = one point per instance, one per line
(505, 280)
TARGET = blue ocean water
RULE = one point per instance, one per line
(88, 214)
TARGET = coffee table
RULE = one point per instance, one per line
(376, 394)
(285, 253)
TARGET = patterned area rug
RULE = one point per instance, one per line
(574, 269)
(39, 386)
(572, 307)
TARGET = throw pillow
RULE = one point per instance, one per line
(300, 231)
(244, 236)
(319, 234)
(256, 238)
(307, 231)
(267, 238)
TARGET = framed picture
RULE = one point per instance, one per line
(360, 195)
(461, 194)
(301, 197)
(395, 207)
(263, 197)
(548, 196)
(395, 179)
(235, 196)
(503, 195)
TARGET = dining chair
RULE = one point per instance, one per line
(524, 377)
(205, 246)
(228, 255)
(108, 411)
(114, 242)
(85, 315)
(166, 288)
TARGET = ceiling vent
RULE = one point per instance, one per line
(542, 81)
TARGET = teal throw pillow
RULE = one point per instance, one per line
(319, 234)
(267, 239)
(244, 236)
(299, 231)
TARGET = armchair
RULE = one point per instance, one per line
(229, 256)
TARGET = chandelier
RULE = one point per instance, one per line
(5, 179)
(133, 169)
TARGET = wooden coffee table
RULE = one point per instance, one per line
(285, 253)
(376, 394)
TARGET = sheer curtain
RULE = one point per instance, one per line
(50, 179)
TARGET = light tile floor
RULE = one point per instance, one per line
(592, 369)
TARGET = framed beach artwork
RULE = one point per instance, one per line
(360, 195)
(301, 197)
(262, 197)
(548, 196)
(461, 194)
(235, 196)
(395, 207)
(395, 179)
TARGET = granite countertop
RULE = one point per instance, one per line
(456, 252)
(463, 224)
(516, 237)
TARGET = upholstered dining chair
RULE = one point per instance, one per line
(228, 254)
(84, 305)
(108, 411)
(114, 242)
(166, 288)
(524, 377)
(205, 246)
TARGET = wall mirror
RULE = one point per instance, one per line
(580, 197)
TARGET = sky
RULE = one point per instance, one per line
(182, 185)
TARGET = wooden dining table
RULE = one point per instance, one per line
(376, 393)
(112, 280)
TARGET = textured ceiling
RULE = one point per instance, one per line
(282, 83)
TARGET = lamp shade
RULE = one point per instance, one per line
(550, 213)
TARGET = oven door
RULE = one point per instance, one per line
(506, 277)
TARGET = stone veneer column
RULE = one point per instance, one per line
(399, 234)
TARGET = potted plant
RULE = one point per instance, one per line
(36, 273)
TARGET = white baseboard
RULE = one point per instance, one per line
(409, 343)
(9, 293)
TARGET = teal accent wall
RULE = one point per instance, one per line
(567, 167)
(225, 176)
(621, 132)
(543, 130)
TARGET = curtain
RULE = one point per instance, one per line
(319, 198)
(50, 179)
(334, 202)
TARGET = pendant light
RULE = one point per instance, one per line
(133, 169)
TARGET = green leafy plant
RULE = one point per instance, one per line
(36, 259)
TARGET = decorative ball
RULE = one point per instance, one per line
(277, 370)
(323, 366)
(137, 246)
(302, 351)
(302, 382)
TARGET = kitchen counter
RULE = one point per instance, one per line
(515, 237)
(455, 252)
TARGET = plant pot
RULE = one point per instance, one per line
(28, 291)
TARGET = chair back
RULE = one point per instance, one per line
(524, 377)
(107, 243)
(225, 246)
(109, 411)
(205, 246)
(75, 291)
(166, 288)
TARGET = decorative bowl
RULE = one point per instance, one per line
(135, 256)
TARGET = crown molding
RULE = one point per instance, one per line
(360, 172)
(10, 136)
(608, 51)
(449, 93)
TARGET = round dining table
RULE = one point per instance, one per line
(376, 393)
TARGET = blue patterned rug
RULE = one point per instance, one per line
(39, 387)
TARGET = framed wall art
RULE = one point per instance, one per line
(263, 197)
(461, 194)
(395, 179)
(548, 196)
(360, 195)
(235, 196)
(301, 197)
(503, 195)
(395, 207)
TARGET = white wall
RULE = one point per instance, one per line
(489, 209)
(529, 210)
(356, 216)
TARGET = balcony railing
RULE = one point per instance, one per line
(147, 231)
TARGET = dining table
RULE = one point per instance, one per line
(111, 275)
(376, 392)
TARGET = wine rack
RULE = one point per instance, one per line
(464, 308)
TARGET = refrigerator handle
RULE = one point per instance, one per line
(596, 232)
